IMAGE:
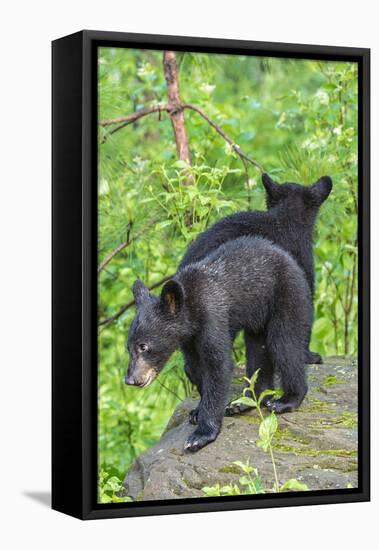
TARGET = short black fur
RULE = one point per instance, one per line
(246, 284)
(288, 222)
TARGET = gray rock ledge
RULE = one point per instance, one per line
(316, 444)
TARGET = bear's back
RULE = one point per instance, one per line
(231, 227)
(287, 227)
(244, 273)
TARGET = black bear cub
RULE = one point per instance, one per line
(246, 284)
(288, 222)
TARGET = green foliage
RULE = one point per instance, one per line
(296, 117)
(250, 483)
(109, 489)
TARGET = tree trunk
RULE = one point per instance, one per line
(176, 110)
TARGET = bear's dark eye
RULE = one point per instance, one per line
(143, 347)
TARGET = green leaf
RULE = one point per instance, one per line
(113, 483)
(253, 379)
(230, 490)
(212, 491)
(264, 394)
(246, 136)
(321, 327)
(263, 444)
(163, 224)
(103, 187)
(245, 401)
(293, 485)
(267, 429)
(181, 164)
(245, 467)
(244, 480)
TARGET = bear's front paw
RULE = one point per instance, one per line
(194, 416)
(198, 440)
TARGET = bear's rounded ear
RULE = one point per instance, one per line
(140, 292)
(272, 188)
(319, 191)
(172, 297)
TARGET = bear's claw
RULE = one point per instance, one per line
(194, 416)
(236, 408)
(197, 441)
(280, 406)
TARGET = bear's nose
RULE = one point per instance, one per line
(129, 379)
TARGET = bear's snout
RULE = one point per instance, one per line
(140, 374)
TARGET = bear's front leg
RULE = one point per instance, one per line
(191, 368)
(216, 371)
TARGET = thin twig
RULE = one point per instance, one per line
(123, 245)
(352, 288)
(349, 303)
(109, 320)
(228, 139)
(247, 184)
(169, 390)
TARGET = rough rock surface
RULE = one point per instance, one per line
(316, 444)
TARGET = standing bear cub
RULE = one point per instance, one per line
(288, 222)
(246, 284)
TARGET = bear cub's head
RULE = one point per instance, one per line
(295, 196)
(155, 332)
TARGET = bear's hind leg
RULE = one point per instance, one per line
(256, 346)
(257, 357)
(287, 354)
(313, 358)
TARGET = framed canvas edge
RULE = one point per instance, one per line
(160, 41)
(90, 509)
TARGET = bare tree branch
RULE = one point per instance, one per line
(118, 249)
(228, 139)
(124, 245)
(124, 121)
(129, 119)
(106, 322)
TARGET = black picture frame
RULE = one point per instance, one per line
(74, 333)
